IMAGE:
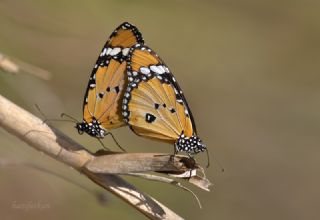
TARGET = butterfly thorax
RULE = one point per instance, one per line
(191, 145)
(93, 128)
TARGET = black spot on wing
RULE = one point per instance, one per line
(172, 110)
(117, 89)
(150, 118)
(100, 95)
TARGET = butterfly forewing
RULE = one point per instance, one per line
(103, 98)
(153, 105)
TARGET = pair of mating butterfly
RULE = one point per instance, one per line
(131, 85)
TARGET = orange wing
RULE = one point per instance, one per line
(105, 89)
(103, 99)
(153, 104)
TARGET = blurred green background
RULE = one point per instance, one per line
(250, 72)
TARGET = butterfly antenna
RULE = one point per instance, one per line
(52, 119)
(49, 119)
(39, 110)
(208, 158)
(115, 141)
(219, 164)
(64, 115)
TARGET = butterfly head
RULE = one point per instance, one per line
(191, 145)
(93, 128)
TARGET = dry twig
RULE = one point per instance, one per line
(101, 169)
(16, 66)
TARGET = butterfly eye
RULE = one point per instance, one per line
(80, 128)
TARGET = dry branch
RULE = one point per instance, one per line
(16, 66)
(101, 169)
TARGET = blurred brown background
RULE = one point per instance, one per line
(250, 72)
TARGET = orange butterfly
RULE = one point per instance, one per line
(154, 105)
(102, 102)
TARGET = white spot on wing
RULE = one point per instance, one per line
(144, 70)
(125, 51)
(115, 51)
(156, 69)
(103, 52)
(108, 51)
(161, 68)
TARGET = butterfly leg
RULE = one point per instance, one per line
(109, 133)
(103, 145)
(45, 119)
(171, 160)
(174, 153)
(191, 165)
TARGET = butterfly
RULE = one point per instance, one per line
(104, 93)
(154, 105)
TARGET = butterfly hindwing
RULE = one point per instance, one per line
(153, 104)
